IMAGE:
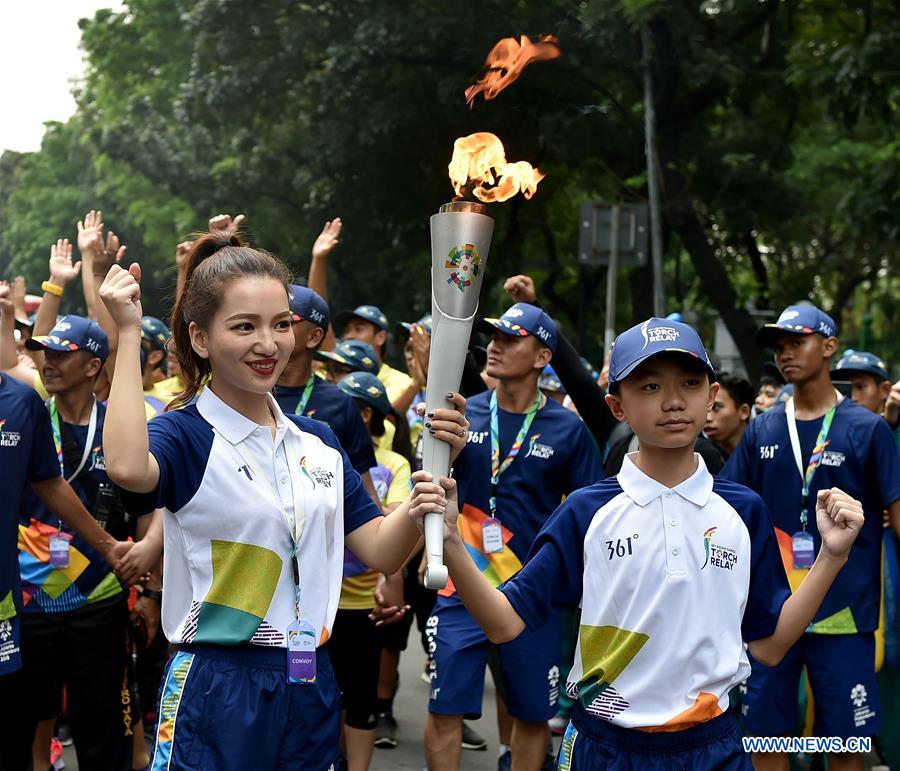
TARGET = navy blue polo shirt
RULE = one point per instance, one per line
(862, 460)
(89, 578)
(26, 455)
(331, 405)
(557, 457)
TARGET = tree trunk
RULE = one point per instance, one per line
(714, 280)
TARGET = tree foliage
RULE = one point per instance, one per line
(777, 135)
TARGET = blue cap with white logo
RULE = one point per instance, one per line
(355, 354)
(365, 386)
(73, 333)
(655, 336)
(370, 313)
(860, 361)
(308, 305)
(797, 320)
(524, 319)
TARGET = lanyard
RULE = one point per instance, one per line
(295, 520)
(497, 468)
(57, 438)
(307, 392)
(815, 458)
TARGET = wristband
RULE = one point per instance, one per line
(51, 288)
(153, 594)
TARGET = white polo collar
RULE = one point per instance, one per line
(642, 489)
(233, 426)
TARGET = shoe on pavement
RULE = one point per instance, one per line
(471, 739)
(386, 731)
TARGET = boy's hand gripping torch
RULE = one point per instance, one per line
(460, 239)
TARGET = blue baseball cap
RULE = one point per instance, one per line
(370, 313)
(308, 305)
(524, 319)
(352, 353)
(655, 336)
(155, 332)
(861, 361)
(424, 322)
(798, 320)
(73, 333)
(549, 381)
(365, 386)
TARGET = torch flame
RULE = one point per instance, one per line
(506, 61)
(480, 158)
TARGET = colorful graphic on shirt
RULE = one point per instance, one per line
(170, 701)
(841, 622)
(606, 651)
(245, 577)
(59, 590)
(497, 567)
(7, 606)
(707, 537)
(464, 262)
(705, 707)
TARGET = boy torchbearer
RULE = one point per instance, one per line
(674, 571)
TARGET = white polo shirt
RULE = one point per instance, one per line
(671, 582)
(231, 497)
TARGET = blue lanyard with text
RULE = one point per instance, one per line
(57, 438)
(497, 468)
(307, 392)
(814, 459)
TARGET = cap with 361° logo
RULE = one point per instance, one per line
(73, 333)
(524, 319)
(308, 305)
(797, 320)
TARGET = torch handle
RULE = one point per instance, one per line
(460, 240)
(449, 343)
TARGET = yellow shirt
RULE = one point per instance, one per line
(391, 477)
(395, 383)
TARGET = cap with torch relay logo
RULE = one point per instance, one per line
(655, 336)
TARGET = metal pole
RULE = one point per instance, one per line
(656, 245)
(611, 280)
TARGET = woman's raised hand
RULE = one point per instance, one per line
(121, 294)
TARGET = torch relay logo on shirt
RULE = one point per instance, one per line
(717, 555)
(536, 450)
(8, 438)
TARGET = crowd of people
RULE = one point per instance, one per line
(212, 549)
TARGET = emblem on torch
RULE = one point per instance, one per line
(464, 262)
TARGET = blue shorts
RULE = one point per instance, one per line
(841, 672)
(458, 652)
(230, 707)
(592, 743)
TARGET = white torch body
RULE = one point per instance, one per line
(460, 240)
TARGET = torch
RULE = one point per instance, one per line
(460, 239)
